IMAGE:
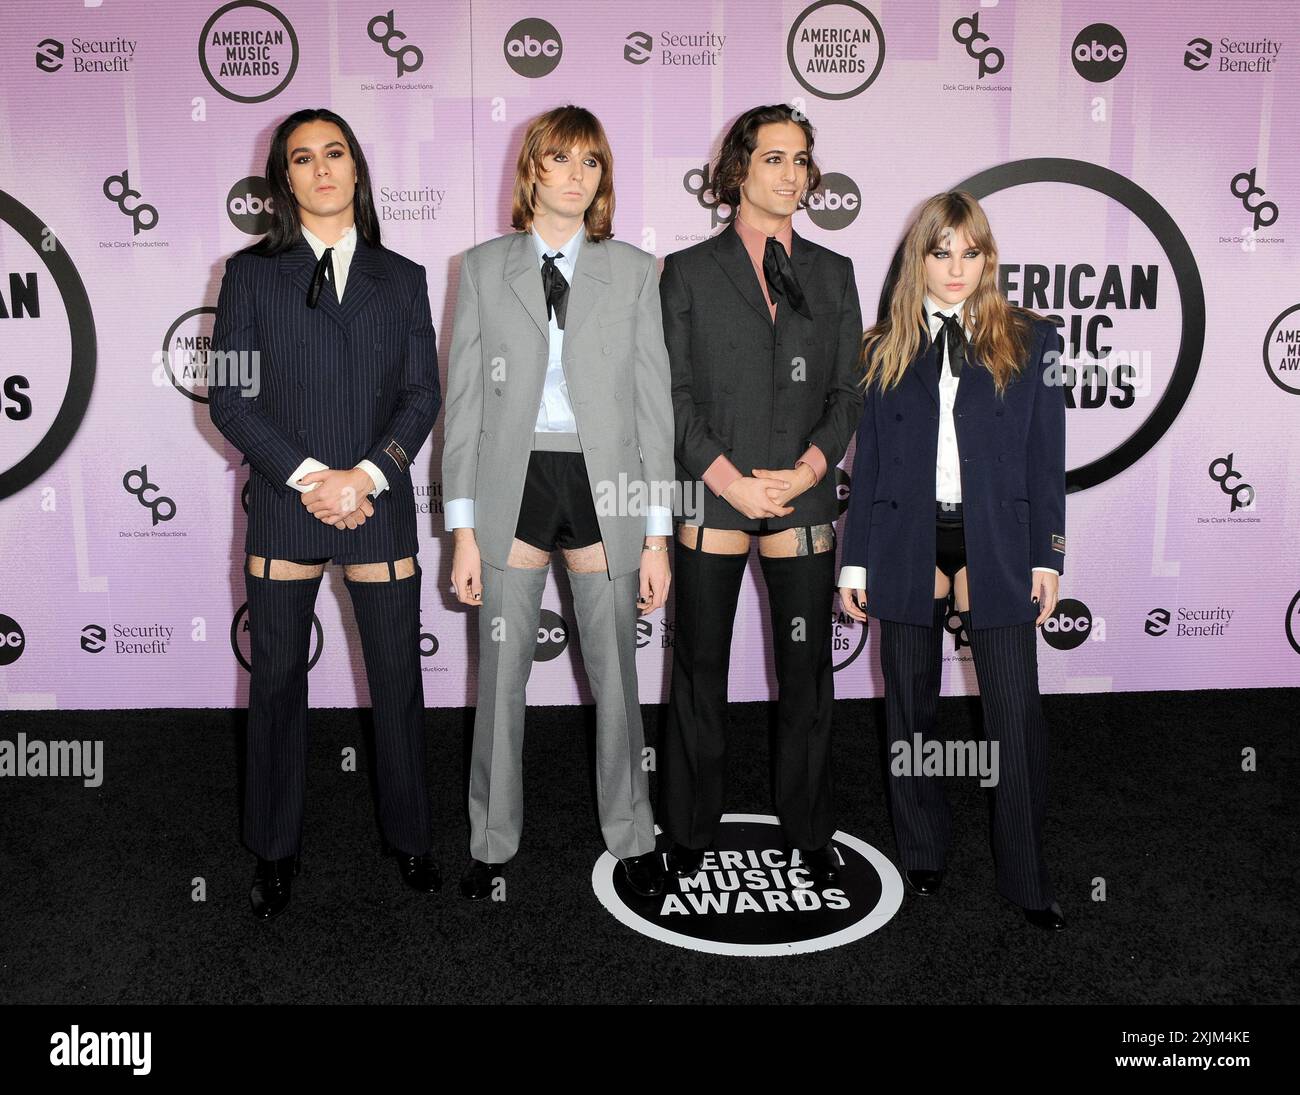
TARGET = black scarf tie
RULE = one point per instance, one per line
(780, 277)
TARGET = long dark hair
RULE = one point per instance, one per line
(286, 229)
(732, 166)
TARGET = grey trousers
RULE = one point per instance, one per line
(607, 616)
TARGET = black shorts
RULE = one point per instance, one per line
(557, 510)
(950, 539)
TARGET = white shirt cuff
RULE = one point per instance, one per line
(308, 465)
(1049, 570)
(459, 513)
(852, 578)
(372, 470)
(658, 521)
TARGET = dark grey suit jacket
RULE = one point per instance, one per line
(761, 392)
(340, 382)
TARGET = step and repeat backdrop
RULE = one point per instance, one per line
(1138, 164)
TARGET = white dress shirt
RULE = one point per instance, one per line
(555, 410)
(947, 468)
(341, 260)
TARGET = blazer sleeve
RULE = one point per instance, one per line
(697, 446)
(844, 397)
(862, 486)
(464, 419)
(420, 397)
(1045, 459)
(654, 398)
(269, 447)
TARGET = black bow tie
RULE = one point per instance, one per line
(952, 334)
(557, 289)
(780, 277)
(324, 272)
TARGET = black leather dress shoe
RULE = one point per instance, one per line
(271, 885)
(476, 882)
(1051, 918)
(822, 863)
(420, 872)
(924, 883)
(684, 861)
(645, 874)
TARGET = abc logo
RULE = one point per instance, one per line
(12, 640)
(836, 203)
(533, 48)
(249, 206)
(1069, 625)
(552, 636)
(843, 488)
(1099, 52)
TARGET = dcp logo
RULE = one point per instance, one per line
(552, 636)
(381, 30)
(136, 482)
(697, 182)
(1198, 54)
(1099, 53)
(836, 203)
(636, 47)
(1069, 626)
(533, 48)
(12, 640)
(249, 205)
(117, 189)
(1243, 186)
(967, 31)
(49, 55)
(1221, 471)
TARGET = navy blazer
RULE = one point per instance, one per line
(340, 382)
(1012, 453)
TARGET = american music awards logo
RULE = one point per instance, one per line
(753, 897)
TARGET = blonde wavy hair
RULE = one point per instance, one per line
(999, 330)
(559, 130)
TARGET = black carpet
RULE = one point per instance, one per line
(1148, 794)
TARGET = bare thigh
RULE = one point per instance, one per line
(792, 542)
(378, 572)
(284, 570)
(586, 560)
(527, 557)
(961, 595)
(717, 541)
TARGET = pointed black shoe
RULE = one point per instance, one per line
(272, 884)
(822, 863)
(476, 882)
(924, 883)
(684, 861)
(420, 872)
(645, 874)
(1050, 919)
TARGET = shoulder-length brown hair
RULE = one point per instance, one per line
(738, 146)
(999, 330)
(559, 130)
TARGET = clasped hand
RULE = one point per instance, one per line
(769, 493)
(339, 497)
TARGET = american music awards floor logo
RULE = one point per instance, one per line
(753, 898)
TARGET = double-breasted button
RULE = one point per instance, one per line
(379, 392)
(627, 441)
(302, 385)
(898, 459)
(302, 432)
(302, 342)
(893, 505)
(618, 395)
(497, 390)
(998, 412)
(379, 345)
(1001, 457)
(899, 418)
(605, 350)
(591, 448)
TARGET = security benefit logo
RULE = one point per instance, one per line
(1101, 258)
(47, 347)
(753, 897)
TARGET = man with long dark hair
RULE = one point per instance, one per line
(339, 337)
(763, 330)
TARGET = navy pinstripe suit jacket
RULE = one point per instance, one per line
(341, 382)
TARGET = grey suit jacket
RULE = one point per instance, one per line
(618, 377)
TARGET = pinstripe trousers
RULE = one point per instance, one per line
(280, 616)
(1006, 667)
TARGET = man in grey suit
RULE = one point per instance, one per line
(559, 434)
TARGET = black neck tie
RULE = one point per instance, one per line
(780, 277)
(556, 288)
(952, 334)
(324, 272)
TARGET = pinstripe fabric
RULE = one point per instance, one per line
(388, 619)
(340, 382)
(1006, 664)
(911, 661)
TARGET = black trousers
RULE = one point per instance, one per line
(694, 751)
(1006, 667)
(280, 624)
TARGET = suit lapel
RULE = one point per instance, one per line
(590, 282)
(366, 273)
(521, 261)
(926, 370)
(730, 253)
